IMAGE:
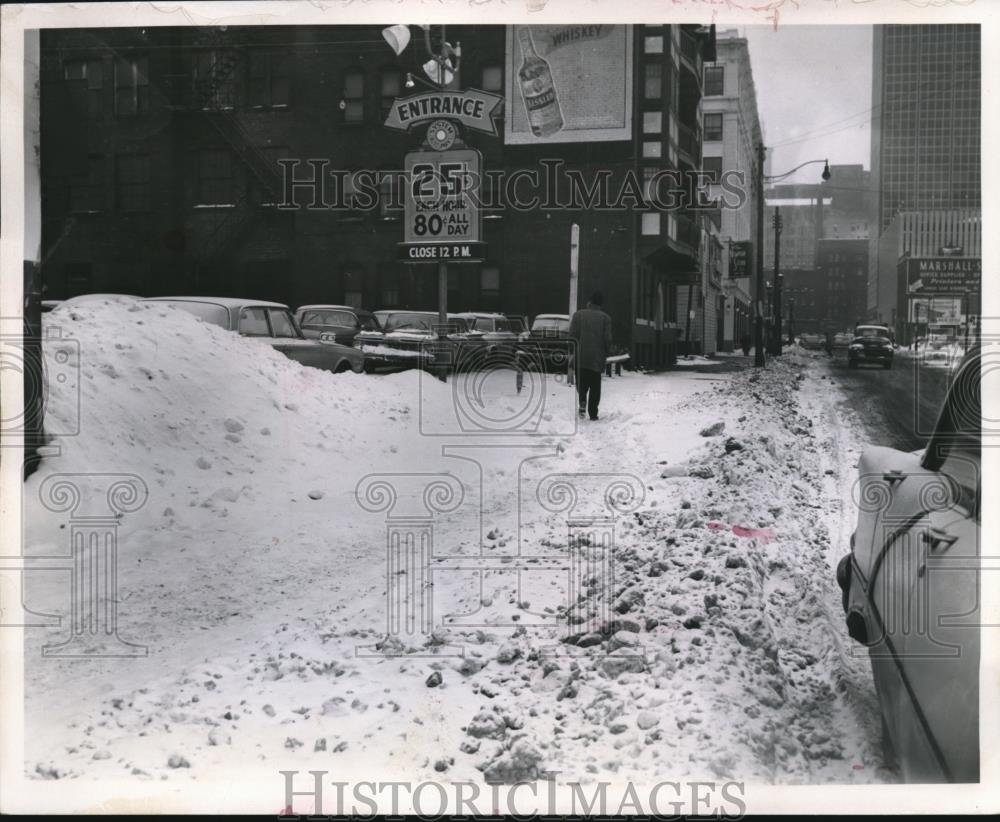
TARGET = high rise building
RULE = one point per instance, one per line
(926, 116)
(732, 134)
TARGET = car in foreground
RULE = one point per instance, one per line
(271, 323)
(871, 344)
(911, 588)
(342, 321)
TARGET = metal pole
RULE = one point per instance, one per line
(758, 355)
(574, 281)
(442, 312)
(777, 281)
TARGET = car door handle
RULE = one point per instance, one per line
(935, 537)
(895, 475)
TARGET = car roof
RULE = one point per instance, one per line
(483, 315)
(225, 302)
(323, 306)
(552, 316)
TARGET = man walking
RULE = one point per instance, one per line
(591, 329)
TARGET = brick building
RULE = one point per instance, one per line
(161, 175)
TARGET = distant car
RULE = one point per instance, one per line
(272, 323)
(518, 323)
(495, 333)
(842, 340)
(871, 344)
(547, 344)
(342, 321)
(912, 585)
(813, 342)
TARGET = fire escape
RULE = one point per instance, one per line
(215, 97)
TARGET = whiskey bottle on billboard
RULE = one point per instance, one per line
(537, 89)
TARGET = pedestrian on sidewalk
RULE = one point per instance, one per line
(590, 328)
(745, 343)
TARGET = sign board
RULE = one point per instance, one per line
(472, 108)
(568, 84)
(739, 259)
(440, 206)
(943, 275)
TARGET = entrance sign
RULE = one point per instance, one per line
(472, 108)
(440, 206)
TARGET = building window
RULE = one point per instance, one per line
(654, 81)
(652, 122)
(652, 148)
(651, 223)
(215, 177)
(392, 86)
(86, 191)
(713, 127)
(131, 86)
(214, 83)
(388, 285)
(132, 182)
(267, 80)
(354, 96)
(654, 45)
(715, 81)
(713, 167)
(489, 282)
(89, 75)
(492, 78)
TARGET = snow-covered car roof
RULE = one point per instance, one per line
(480, 315)
(330, 307)
(225, 302)
(87, 298)
(552, 316)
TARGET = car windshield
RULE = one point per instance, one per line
(282, 324)
(326, 317)
(871, 332)
(209, 312)
(409, 322)
(550, 324)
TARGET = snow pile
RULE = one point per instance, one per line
(259, 585)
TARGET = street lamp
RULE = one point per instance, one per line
(759, 358)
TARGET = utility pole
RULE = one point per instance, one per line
(776, 338)
(758, 355)
(574, 284)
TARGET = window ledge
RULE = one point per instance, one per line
(215, 205)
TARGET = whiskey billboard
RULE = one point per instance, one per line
(568, 84)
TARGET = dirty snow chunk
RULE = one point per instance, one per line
(433, 680)
(218, 736)
(623, 639)
(519, 764)
(442, 764)
(177, 761)
(469, 666)
(507, 653)
(269, 710)
(203, 464)
(733, 444)
(315, 494)
(470, 746)
(674, 471)
(102, 754)
(334, 707)
(629, 600)
(622, 661)
(701, 472)
(646, 720)
(487, 724)
(713, 430)
(233, 426)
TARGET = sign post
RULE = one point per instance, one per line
(574, 280)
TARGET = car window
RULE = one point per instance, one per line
(343, 318)
(368, 323)
(209, 312)
(413, 322)
(253, 323)
(870, 332)
(482, 324)
(501, 325)
(281, 323)
(550, 324)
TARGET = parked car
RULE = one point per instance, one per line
(911, 588)
(343, 321)
(871, 344)
(274, 324)
(813, 342)
(842, 340)
(49, 305)
(410, 339)
(518, 323)
(495, 333)
(547, 344)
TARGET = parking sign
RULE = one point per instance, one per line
(441, 206)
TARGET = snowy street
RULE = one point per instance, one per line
(257, 580)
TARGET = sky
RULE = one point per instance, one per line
(814, 93)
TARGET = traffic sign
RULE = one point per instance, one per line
(440, 204)
(442, 252)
